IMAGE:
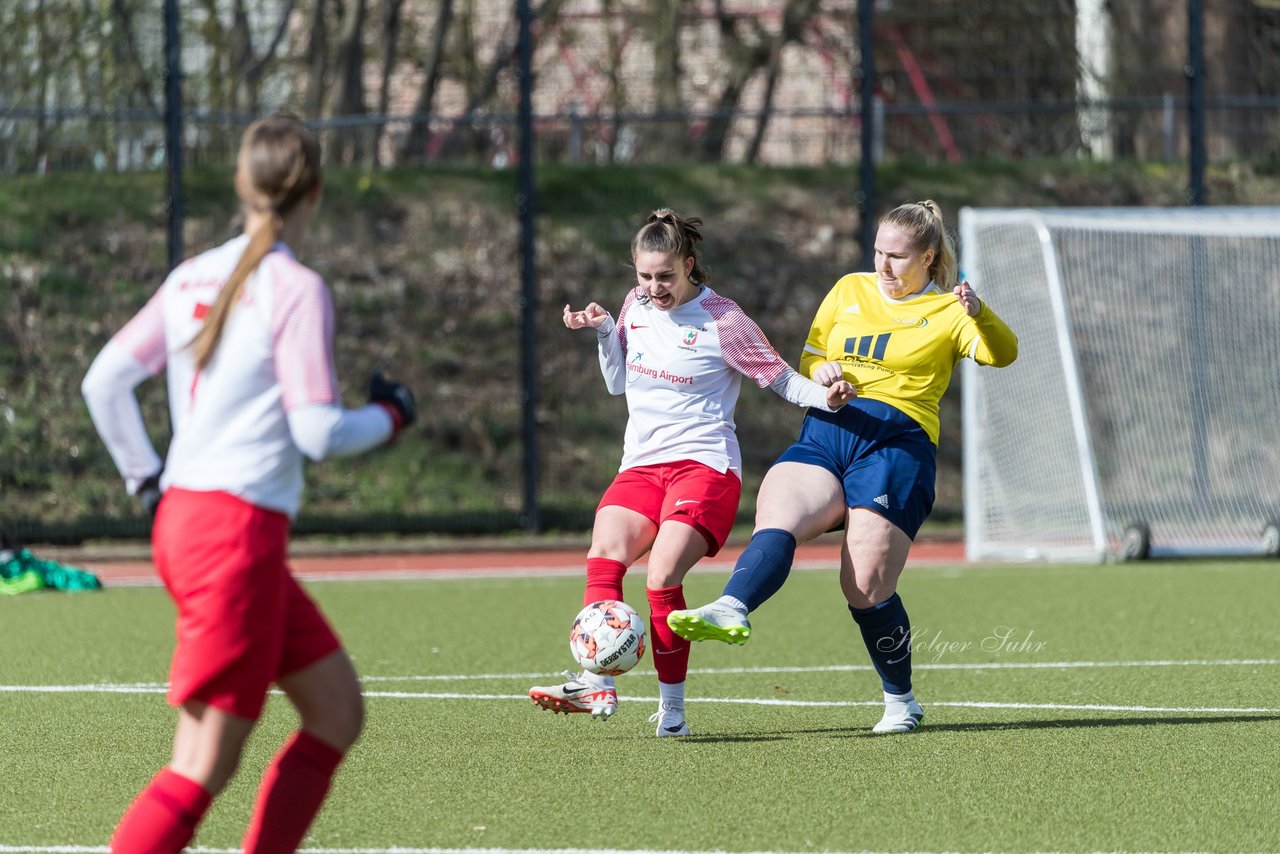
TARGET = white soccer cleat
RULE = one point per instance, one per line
(716, 621)
(578, 694)
(670, 721)
(899, 716)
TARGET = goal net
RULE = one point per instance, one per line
(1140, 417)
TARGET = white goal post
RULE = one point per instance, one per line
(1141, 416)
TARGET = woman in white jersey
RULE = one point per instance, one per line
(897, 334)
(678, 351)
(246, 334)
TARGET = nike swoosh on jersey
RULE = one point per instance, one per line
(634, 326)
(688, 501)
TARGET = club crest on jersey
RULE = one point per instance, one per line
(690, 337)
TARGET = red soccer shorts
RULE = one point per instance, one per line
(243, 620)
(687, 491)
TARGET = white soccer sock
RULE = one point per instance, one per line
(671, 694)
(900, 699)
(595, 680)
(734, 603)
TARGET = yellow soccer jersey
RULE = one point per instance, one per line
(902, 352)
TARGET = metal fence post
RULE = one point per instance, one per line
(173, 129)
(867, 175)
(526, 207)
(1195, 71)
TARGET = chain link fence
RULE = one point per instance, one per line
(416, 102)
(740, 81)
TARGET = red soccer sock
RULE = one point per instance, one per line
(293, 789)
(163, 818)
(670, 651)
(604, 580)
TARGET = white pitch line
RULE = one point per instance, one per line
(99, 849)
(161, 687)
(861, 668)
(631, 698)
(140, 688)
(774, 701)
(95, 849)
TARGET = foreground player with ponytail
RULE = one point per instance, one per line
(246, 334)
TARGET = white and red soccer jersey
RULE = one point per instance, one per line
(682, 370)
(270, 391)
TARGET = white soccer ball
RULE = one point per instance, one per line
(607, 637)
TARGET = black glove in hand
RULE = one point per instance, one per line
(393, 397)
(148, 494)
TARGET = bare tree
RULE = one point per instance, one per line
(614, 42)
(545, 16)
(390, 36)
(215, 71)
(795, 16)
(665, 22)
(415, 141)
(249, 66)
(743, 58)
(317, 58)
(127, 45)
(349, 99)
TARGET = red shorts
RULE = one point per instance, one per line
(689, 492)
(243, 620)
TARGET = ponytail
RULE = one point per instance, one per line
(667, 232)
(278, 166)
(261, 243)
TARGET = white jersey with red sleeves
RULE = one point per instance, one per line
(230, 426)
(683, 371)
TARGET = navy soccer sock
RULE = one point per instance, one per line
(886, 630)
(762, 568)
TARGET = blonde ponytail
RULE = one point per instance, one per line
(278, 167)
(260, 244)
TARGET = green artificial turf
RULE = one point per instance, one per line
(1069, 708)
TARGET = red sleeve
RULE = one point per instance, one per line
(744, 345)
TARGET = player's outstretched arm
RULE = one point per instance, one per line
(612, 354)
(997, 345)
(323, 430)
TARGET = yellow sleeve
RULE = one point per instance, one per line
(996, 344)
(815, 346)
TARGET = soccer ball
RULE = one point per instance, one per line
(607, 637)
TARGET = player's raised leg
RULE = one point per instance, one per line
(797, 502)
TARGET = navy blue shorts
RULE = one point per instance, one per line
(885, 460)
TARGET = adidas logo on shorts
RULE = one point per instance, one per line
(883, 501)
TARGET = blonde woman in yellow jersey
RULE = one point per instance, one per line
(896, 335)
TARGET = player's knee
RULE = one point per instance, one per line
(339, 722)
(658, 577)
(870, 589)
(212, 769)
